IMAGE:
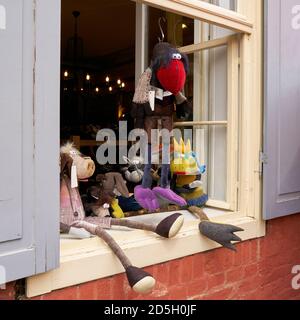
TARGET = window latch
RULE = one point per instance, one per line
(263, 160)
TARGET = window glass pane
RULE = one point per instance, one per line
(227, 4)
(207, 90)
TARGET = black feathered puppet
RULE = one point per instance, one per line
(158, 92)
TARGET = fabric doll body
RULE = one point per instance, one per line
(153, 107)
(75, 224)
(70, 198)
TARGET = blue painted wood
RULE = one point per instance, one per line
(282, 108)
(47, 136)
(32, 135)
(10, 123)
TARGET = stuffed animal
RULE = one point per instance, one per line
(186, 181)
(74, 165)
(111, 185)
(187, 174)
(134, 170)
(156, 96)
(113, 194)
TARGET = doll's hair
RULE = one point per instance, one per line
(69, 147)
(162, 56)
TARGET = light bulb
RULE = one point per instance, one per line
(110, 89)
(97, 89)
(66, 74)
(119, 82)
(123, 84)
(88, 77)
(107, 79)
(184, 26)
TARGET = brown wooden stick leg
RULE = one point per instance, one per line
(167, 228)
(117, 250)
(133, 224)
(198, 212)
(139, 280)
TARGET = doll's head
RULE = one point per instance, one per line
(85, 166)
(185, 162)
(170, 68)
(187, 173)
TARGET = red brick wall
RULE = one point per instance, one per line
(9, 293)
(261, 269)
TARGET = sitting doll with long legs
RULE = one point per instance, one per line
(73, 221)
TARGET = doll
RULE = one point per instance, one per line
(186, 175)
(186, 181)
(157, 93)
(74, 222)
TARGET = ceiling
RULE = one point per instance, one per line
(106, 26)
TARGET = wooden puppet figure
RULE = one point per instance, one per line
(157, 94)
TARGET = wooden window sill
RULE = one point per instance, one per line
(96, 259)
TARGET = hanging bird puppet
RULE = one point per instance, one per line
(157, 94)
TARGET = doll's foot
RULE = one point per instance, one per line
(169, 227)
(169, 196)
(146, 198)
(223, 234)
(140, 280)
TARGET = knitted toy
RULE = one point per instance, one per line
(157, 94)
(187, 174)
(186, 181)
(74, 222)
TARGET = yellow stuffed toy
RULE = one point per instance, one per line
(186, 174)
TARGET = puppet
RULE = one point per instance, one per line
(74, 165)
(186, 174)
(158, 91)
(134, 170)
(186, 181)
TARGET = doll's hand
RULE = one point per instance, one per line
(146, 198)
(169, 197)
(220, 233)
(184, 110)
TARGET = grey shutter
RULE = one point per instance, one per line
(29, 137)
(282, 108)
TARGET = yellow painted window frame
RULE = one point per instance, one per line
(90, 259)
(206, 12)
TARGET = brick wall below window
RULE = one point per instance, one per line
(261, 269)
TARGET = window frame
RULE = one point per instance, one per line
(93, 256)
(232, 44)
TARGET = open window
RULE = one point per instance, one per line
(223, 40)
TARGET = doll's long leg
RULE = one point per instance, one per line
(164, 181)
(143, 193)
(147, 178)
(167, 228)
(198, 212)
(139, 280)
(165, 169)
